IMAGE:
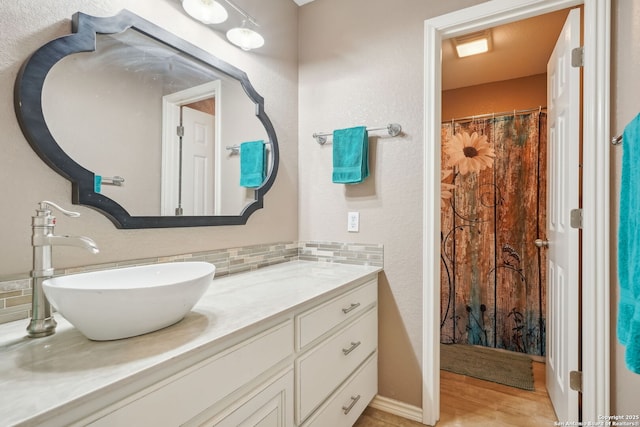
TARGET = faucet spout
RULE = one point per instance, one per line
(78, 241)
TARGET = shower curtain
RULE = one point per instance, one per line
(493, 209)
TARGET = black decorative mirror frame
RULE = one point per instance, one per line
(29, 111)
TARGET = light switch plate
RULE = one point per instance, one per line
(353, 222)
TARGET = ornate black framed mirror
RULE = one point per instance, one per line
(146, 126)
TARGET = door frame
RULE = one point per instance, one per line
(595, 170)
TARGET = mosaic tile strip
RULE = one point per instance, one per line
(15, 295)
(343, 253)
(15, 300)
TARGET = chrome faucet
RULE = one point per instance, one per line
(42, 240)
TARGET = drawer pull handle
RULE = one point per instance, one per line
(354, 400)
(351, 307)
(354, 345)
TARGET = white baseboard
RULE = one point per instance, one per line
(398, 408)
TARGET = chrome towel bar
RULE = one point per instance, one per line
(393, 129)
(235, 149)
(113, 180)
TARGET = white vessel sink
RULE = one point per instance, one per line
(125, 302)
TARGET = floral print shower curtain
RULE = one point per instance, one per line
(493, 209)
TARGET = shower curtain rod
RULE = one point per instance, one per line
(491, 115)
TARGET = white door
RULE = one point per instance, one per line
(197, 162)
(563, 97)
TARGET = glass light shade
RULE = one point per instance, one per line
(245, 38)
(205, 11)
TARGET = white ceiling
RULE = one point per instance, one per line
(301, 2)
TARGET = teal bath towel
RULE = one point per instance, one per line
(628, 327)
(252, 164)
(350, 155)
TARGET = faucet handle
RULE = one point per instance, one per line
(46, 205)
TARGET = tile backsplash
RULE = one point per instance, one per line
(343, 253)
(15, 294)
(15, 300)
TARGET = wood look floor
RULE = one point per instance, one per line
(470, 402)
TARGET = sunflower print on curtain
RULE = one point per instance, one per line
(492, 275)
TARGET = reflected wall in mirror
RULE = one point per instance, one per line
(146, 106)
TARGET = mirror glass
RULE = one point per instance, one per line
(154, 125)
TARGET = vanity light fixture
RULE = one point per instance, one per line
(472, 44)
(243, 36)
(206, 11)
(212, 12)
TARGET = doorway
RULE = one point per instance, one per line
(197, 157)
(494, 206)
(595, 269)
(493, 281)
(200, 99)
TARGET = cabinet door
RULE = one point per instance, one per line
(269, 405)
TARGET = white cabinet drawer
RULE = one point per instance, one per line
(199, 387)
(322, 369)
(346, 405)
(315, 322)
(268, 405)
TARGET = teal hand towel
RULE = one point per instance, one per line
(350, 155)
(252, 164)
(628, 326)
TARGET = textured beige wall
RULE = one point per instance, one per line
(26, 180)
(361, 62)
(625, 105)
(497, 97)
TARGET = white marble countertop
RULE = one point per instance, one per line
(47, 376)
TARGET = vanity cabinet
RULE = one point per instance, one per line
(332, 371)
(293, 345)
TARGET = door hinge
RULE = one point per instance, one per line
(180, 131)
(575, 381)
(577, 57)
(576, 218)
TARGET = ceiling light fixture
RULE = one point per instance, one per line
(472, 44)
(243, 36)
(206, 11)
